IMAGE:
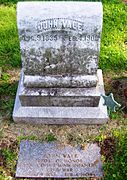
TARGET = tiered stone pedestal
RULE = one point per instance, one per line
(61, 106)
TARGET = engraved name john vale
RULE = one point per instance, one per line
(48, 30)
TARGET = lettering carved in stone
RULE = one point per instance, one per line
(56, 160)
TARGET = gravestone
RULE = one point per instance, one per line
(54, 160)
(60, 81)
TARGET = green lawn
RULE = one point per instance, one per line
(112, 137)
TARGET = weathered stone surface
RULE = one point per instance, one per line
(53, 160)
(53, 97)
(59, 38)
(60, 81)
(61, 115)
(66, 97)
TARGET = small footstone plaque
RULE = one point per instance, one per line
(53, 160)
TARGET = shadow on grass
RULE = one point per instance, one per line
(119, 89)
(7, 98)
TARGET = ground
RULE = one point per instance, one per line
(111, 137)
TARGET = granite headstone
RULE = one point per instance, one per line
(60, 82)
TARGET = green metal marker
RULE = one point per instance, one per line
(110, 102)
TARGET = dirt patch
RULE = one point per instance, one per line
(8, 156)
(108, 148)
(119, 89)
(125, 1)
(117, 84)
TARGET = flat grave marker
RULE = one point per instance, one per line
(54, 160)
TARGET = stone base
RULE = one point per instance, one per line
(60, 97)
(61, 115)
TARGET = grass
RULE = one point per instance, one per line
(113, 54)
(118, 166)
(112, 137)
(9, 45)
(48, 138)
(10, 157)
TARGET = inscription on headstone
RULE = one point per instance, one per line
(58, 161)
(59, 39)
